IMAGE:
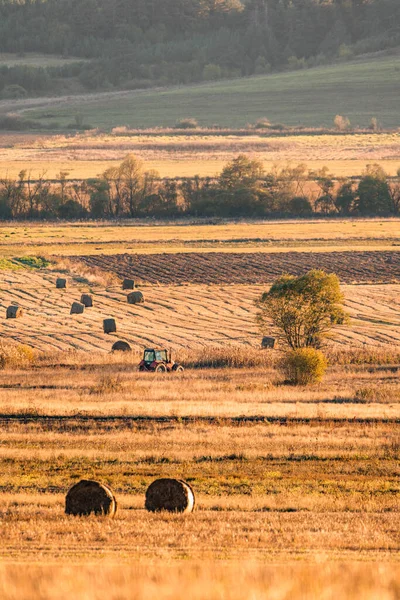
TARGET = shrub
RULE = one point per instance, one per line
(13, 92)
(342, 123)
(263, 123)
(15, 355)
(304, 366)
(187, 123)
(34, 262)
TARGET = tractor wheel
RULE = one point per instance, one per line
(179, 369)
(160, 369)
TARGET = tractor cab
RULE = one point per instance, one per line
(151, 356)
(158, 360)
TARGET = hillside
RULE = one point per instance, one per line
(359, 90)
(135, 44)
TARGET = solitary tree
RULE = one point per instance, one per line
(302, 309)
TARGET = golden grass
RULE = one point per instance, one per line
(296, 501)
(202, 580)
(80, 239)
(90, 154)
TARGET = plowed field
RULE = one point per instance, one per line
(249, 268)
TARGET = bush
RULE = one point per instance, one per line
(304, 366)
(188, 123)
(341, 123)
(34, 262)
(14, 92)
(15, 355)
(263, 123)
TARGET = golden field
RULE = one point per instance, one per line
(102, 238)
(296, 487)
(90, 154)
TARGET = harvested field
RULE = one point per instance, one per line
(148, 237)
(89, 154)
(322, 479)
(183, 316)
(249, 268)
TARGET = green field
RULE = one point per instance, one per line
(358, 90)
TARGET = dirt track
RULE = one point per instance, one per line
(252, 268)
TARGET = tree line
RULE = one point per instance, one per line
(139, 43)
(243, 189)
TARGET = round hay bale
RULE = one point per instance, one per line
(77, 308)
(87, 300)
(128, 284)
(109, 326)
(135, 298)
(268, 342)
(14, 312)
(90, 497)
(173, 495)
(121, 346)
(61, 283)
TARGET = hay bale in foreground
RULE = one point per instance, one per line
(173, 495)
(121, 346)
(87, 300)
(61, 283)
(109, 326)
(135, 298)
(268, 342)
(90, 497)
(77, 308)
(14, 312)
(128, 284)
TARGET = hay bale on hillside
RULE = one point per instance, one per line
(90, 497)
(87, 300)
(173, 495)
(135, 298)
(109, 326)
(14, 312)
(128, 284)
(61, 283)
(77, 308)
(268, 342)
(121, 346)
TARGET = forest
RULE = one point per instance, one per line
(133, 44)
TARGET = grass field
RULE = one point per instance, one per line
(359, 90)
(296, 487)
(149, 237)
(90, 154)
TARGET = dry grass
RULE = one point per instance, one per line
(318, 486)
(142, 237)
(89, 154)
(282, 475)
(202, 580)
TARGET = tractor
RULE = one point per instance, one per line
(158, 361)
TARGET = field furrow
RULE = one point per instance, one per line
(250, 268)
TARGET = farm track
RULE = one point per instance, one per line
(249, 268)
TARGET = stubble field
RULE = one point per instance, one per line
(202, 153)
(297, 488)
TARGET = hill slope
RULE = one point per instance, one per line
(359, 90)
